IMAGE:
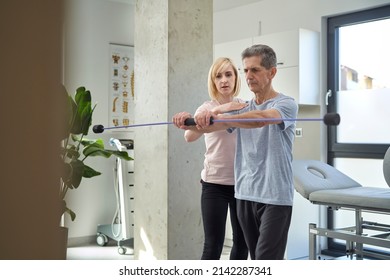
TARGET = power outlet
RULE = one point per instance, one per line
(298, 132)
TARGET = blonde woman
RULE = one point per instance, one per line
(217, 176)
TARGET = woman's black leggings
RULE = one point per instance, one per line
(215, 201)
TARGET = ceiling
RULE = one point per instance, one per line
(219, 5)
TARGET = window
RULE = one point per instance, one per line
(359, 83)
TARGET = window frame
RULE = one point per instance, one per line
(346, 150)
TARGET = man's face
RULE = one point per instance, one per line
(257, 77)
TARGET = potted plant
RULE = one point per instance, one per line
(76, 148)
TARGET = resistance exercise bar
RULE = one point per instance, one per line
(328, 119)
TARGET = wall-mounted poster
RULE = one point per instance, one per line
(121, 85)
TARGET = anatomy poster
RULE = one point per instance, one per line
(121, 85)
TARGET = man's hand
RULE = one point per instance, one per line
(202, 119)
(179, 119)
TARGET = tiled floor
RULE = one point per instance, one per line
(110, 252)
(96, 252)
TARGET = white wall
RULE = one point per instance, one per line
(281, 15)
(90, 26)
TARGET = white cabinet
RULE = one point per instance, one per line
(233, 50)
(298, 57)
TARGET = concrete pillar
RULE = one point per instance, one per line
(173, 53)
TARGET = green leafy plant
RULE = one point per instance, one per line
(76, 148)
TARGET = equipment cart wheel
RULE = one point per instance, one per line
(101, 239)
(121, 250)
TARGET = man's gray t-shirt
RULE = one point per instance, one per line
(263, 161)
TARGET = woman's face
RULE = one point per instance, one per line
(225, 81)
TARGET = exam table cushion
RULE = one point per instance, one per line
(323, 184)
(386, 166)
(365, 198)
(313, 175)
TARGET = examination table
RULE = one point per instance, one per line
(322, 184)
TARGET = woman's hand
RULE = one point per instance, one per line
(227, 107)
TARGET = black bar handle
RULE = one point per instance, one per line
(191, 121)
